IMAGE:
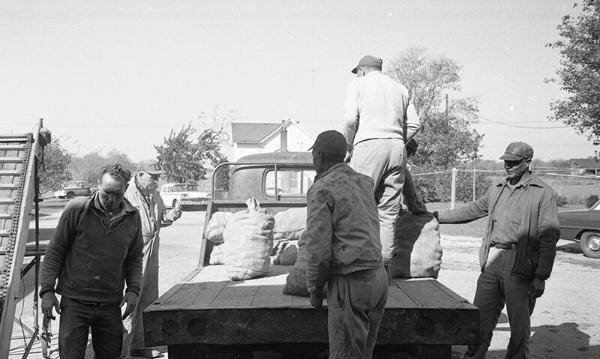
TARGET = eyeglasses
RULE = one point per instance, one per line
(513, 163)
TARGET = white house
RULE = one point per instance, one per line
(249, 138)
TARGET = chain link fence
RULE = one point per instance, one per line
(464, 185)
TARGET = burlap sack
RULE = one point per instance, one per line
(284, 252)
(417, 251)
(248, 241)
(216, 226)
(289, 224)
(295, 282)
(216, 255)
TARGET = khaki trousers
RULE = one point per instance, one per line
(384, 160)
(496, 287)
(355, 304)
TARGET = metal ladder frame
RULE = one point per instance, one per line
(29, 194)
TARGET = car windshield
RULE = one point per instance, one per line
(186, 187)
(73, 184)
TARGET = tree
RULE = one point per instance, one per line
(426, 77)
(54, 171)
(579, 71)
(446, 138)
(184, 159)
(180, 157)
(87, 167)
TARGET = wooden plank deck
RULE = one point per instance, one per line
(207, 308)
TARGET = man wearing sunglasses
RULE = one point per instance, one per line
(143, 194)
(517, 252)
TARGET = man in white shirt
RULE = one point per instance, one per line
(378, 118)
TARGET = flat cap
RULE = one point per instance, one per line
(330, 142)
(517, 151)
(370, 61)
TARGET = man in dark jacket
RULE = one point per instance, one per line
(518, 249)
(96, 247)
(344, 251)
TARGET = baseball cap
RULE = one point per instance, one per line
(330, 142)
(152, 169)
(370, 61)
(517, 151)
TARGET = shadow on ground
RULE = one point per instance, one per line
(570, 248)
(550, 342)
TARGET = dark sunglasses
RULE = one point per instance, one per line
(513, 163)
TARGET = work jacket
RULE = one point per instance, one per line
(538, 228)
(342, 227)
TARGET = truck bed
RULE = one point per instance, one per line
(206, 308)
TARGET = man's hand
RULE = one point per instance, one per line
(174, 214)
(131, 299)
(49, 301)
(316, 299)
(537, 287)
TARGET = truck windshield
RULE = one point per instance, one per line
(290, 182)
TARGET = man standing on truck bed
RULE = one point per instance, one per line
(344, 251)
(517, 252)
(378, 117)
(142, 193)
(96, 248)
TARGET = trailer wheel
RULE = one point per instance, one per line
(590, 244)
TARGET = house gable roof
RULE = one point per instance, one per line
(287, 125)
(251, 132)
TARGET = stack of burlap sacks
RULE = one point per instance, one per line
(249, 241)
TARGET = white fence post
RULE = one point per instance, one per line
(453, 190)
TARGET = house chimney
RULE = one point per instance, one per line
(283, 137)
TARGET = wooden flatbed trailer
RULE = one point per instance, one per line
(207, 315)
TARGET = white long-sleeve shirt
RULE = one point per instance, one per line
(377, 107)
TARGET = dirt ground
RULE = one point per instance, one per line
(565, 324)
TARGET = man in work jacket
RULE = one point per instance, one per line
(518, 249)
(143, 195)
(377, 117)
(344, 251)
(96, 248)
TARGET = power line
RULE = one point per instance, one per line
(510, 124)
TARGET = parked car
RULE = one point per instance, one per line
(73, 189)
(183, 194)
(582, 225)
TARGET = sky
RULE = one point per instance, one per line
(121, 74)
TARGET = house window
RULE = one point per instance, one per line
(290, 182)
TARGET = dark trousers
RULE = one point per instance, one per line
(78, 317)
(496, 287)
(355, 304)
